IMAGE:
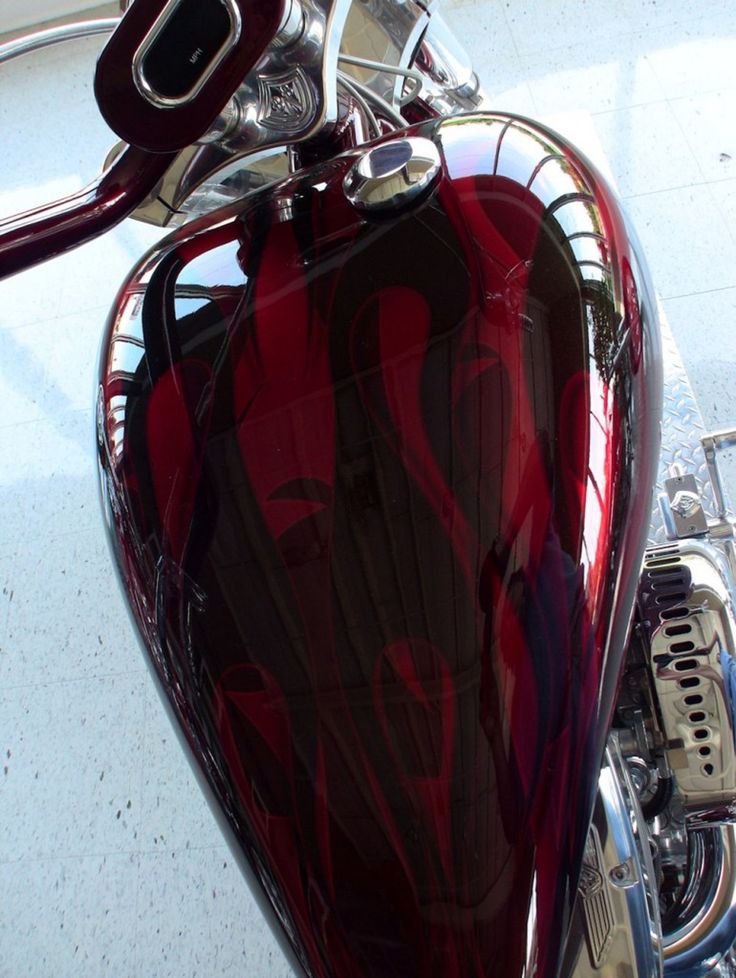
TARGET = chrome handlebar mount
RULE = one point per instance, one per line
(351, 67)
(357, 68)
(340, 70)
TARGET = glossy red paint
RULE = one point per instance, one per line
(379, 493)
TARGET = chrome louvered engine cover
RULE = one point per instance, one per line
(687, 609)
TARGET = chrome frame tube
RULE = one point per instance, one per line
(631, 844)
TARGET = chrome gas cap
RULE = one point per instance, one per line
(392, 176)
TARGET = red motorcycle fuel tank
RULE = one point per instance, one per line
(378, 489)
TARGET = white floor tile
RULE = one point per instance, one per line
(709, 125)
(47, 480)
(74, 916)
(695, 57)
(604, 74)
(711, 315)
(72, 758)
(679, 14)
(686, 241)
(46, 643)
(488, 41)
(482, 27)
(174, 812)
(196, 917)
(7, 594)
(49, 368)
(724, 194)
(645, 149)
(538, 27)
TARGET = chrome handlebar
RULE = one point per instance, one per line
(29, 43)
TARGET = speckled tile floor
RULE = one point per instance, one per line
(110, 863)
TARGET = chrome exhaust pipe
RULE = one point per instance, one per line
(702, 946)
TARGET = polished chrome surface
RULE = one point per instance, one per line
(702, 946)
(142, 83)
(682, 507)
(298, 82)
(292, 93)
(714, 442)
(699, 941)
(616, 923)
(452, 84)
(204, 177)
(292, 96)
(386, 33)
(682, 430)
(292, 24)
(55, 35)
(225, 123)
(392, 176)
(687, 604)
(287, 102)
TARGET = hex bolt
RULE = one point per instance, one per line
(621, 874)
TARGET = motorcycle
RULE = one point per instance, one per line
(378, 425)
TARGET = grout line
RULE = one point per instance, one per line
(44, 419)
(687, 295)
(626, 106)
(706, 93)
(97, 677)
(510, 30)
(103, 854)
(80, 311)
(669, 190)
(141, 785)
(686, 142)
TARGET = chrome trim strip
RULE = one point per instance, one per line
(630, 839)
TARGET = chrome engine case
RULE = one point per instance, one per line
(616, 915)
(674, 731)
(688, 610)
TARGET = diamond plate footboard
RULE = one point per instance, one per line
(682, 429)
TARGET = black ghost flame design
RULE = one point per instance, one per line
(370, 485)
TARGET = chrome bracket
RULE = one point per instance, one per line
(682, 508)
(712, 443)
